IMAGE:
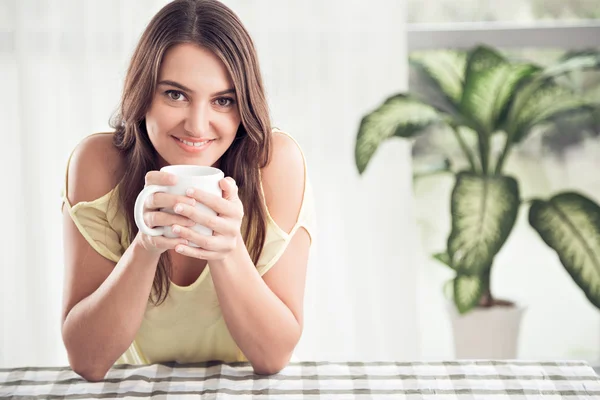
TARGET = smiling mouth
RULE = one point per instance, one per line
(193, 147)
(194, 144)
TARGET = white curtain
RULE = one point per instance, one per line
(325, 63)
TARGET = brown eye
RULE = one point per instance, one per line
(175, 95)
(224, 101)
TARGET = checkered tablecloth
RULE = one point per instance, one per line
(308, 380)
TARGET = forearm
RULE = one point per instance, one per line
(263, 327)
(100, 328)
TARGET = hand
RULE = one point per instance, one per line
(153, 217)
(226, 225)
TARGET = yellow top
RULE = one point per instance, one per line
(188, 326)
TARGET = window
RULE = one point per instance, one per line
(559, 24)
(448, 11)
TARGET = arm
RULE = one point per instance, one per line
(263, 314)
(103, 302)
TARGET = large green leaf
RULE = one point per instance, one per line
(444, 258)
(570, 224)
(489, 84)
(484, 210)
(570, 130)
(540, 101)
(446, 68)
(467, 292)
(401, 116)
(575, 61)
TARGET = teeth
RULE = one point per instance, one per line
(196, 144)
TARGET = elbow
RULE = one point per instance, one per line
(270, 367)
(86, 367)
(84, 364)
(274, 363)
(89, 373)
(92, 376)
(267, 369)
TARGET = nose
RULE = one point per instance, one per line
(197, 122)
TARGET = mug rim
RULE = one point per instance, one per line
(186, 170)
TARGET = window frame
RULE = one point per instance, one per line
(571, 35)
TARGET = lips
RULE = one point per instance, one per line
(193, 146)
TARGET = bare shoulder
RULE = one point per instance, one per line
(283, 181)
(93, 168)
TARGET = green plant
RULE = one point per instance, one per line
(480, 96)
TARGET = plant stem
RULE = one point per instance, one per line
(486, 300)
(505, 152)
(464, 147)
(484, 149)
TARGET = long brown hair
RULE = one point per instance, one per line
(212, 25)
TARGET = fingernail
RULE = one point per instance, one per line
(179, 249)
(176, 229)
(189, 192)
(192, 202)
(178, 208)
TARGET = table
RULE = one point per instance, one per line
(308, 380)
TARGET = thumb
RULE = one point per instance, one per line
(229, 187)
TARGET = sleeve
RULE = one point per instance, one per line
(93, 222)
(277, 240)
(98, 221)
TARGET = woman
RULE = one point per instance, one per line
(193, 95)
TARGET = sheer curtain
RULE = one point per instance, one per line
(325, 64)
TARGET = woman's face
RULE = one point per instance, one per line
(194, 117)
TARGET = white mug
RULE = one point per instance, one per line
(188, 176)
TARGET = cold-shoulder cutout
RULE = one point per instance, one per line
(283, 182)
(88, 195)
(287, 176)
(92, 169)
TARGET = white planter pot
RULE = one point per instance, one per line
(486, 333)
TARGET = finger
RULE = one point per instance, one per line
(164, 243)
(215, 223)
(208, 243)
(218, 204)
(198, 252)
(166, 200)
(229, 187)
(160, 178)
(160, 218)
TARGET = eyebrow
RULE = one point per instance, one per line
(180, 86)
